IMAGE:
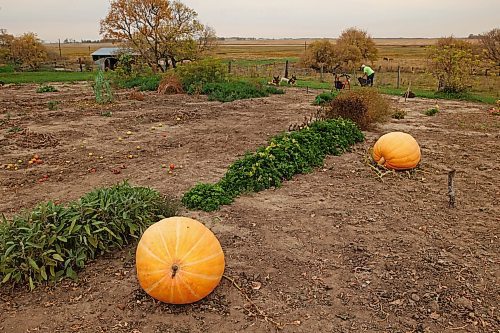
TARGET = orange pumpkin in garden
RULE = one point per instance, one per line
(397, 150)
(179, 261)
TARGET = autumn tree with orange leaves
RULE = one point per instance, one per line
(27, 51)
(160, 30)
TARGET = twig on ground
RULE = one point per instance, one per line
(260, 312)
(451, 188)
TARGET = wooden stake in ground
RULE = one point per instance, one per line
(451, 189)
(408, 91)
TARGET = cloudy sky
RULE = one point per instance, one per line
(79, 19)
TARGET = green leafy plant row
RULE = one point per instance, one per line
(54, 241)
(235, 90)
(286, 155)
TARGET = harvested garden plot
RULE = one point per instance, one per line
(334, 250)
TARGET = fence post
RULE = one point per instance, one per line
(399, 76)
(229, 65)
(286, 69)
(321, 74)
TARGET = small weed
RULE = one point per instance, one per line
(15, 129)
(431, 112)
(53, 105)
(45, 89)
(106, 114)
(6, 119)
(399, 114)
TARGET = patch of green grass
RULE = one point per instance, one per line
(143, 82)
(44, 77)
(7, 69)
(314, 84)
(53, 241)
(440, 95)
(235, 90)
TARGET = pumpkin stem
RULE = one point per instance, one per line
(175, 268)
(381, 161)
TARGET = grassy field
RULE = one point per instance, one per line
(43, 77)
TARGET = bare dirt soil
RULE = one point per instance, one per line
(336, 250)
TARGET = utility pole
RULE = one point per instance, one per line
(60, 52)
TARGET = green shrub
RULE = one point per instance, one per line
(207, 197)
(196, 74)
(53, 241)
(102, 89)
(234, 90)
(286, 155)
(363, 106)
(45, 89)
(325, 98)
(431, 112)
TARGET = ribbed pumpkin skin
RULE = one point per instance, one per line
(179, 261)
(397, 150)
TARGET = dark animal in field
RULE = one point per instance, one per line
(409, 94)
(362, 81)
(275, 81)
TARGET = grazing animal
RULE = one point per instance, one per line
(290, 81)
(275, 81)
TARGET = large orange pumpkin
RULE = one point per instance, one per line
(397, 150)
(179, 261)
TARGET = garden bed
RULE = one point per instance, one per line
(333, 250)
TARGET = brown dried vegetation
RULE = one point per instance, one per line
(170, 84)
(364, 107)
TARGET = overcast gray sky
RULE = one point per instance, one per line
(79, 19)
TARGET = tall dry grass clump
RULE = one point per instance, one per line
(365, 107)
(170, 84)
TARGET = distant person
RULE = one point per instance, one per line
(369, 73)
